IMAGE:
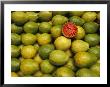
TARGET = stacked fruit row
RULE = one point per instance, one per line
(55, 44)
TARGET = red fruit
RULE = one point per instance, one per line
(69, 30)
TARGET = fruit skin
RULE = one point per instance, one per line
(89, 16)
(58, 57)
(92, 39)
(20, 74)
(38, 59)
(16, 29)
(79, 46)
(45, 15)
(70, 64)
(62, 41)
(98, 16)
(84, 72)
(96, 68)
(56, 31)
(28, 39)
(15, 39)
(15, 51)
(47, 67)
(15, 64)
(30, 50)
(80, 33)
(91, 27)
(59, 20)
(69, 30)
(95, 50)
(84, 59)
(44, 39)
(45, 27)
(29, 66)
(19, 17)
(45, 50)
(59, 12)
(76, 13)
(32, 16)
(69, 53)
(13, 74)
(36, 46)
(38, 74)
(98, 61)
(31, 27)
(64, 72)
(77, 20)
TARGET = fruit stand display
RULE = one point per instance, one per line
(55, 44)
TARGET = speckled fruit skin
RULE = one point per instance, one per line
(64, 72)
(29, 66)
(58, 57)
(59, 20)
(79, 46)
(30, 50)
(62, 41)
(84, 59)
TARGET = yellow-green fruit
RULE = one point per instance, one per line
(21, 46)
(15, 64)
(58, 57)
(85, 72)
(98, 16)
(37, 35)
(13, 74)
(20, 74)
(45, 15)
(32, 16)
(15, 39)
(98, 61)
(46, 67)
(31, 27)
(59, 13)
(36, 46)
(45, 50)
(59, 20)
(15, 51)
(69, 53)
(16, 29)
(70, 64)
(84, 59)
(28, 51)
(38, 59)
(44, 39)
(56, 31)
(62, 43)
(96, 68)
(81, 33)
(64, 72)
(89, 16)
(77, 20)
(28, 39)
(19, 17)
(38, 74)
(76, 13)
(29, 66)
(79, 46)
(45, 27)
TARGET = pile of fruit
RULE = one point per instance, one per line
(55, 44)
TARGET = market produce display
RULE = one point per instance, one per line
(55, 44)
